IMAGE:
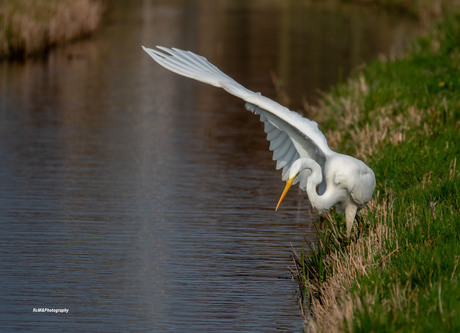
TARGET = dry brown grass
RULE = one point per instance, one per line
(387, 127)
(31, 27)
(334, 307)
(348, 110)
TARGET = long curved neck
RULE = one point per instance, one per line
(327, 199)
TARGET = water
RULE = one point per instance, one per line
(142, 201)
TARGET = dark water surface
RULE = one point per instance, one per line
(142, 201)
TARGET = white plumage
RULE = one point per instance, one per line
(299, 147)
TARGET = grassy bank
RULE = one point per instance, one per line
(399, 271)
(32, 27)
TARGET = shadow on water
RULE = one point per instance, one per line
(140, 200)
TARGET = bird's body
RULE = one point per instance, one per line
(299, 147)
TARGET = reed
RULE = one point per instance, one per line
(399, 270)
(32, 27)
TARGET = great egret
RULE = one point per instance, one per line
(299, 147)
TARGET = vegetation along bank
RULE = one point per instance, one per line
(399, 271)
(32, 27)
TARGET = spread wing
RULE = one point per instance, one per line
(291, 136)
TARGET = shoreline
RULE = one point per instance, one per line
(399, 271)
(31, 28)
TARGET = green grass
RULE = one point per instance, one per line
(402, 118)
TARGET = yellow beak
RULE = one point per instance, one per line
(286, 189)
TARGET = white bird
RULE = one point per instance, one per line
(299, 147)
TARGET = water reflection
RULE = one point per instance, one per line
(140, 200)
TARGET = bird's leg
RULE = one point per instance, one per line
(350, 213)
(359, 225)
